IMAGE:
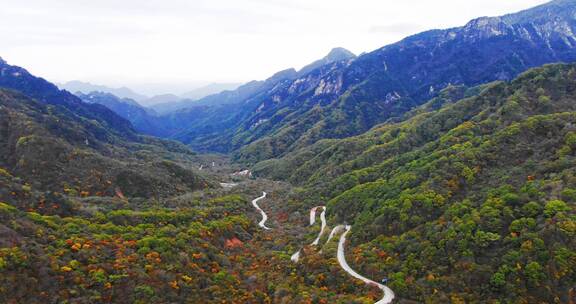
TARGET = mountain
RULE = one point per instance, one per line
(349, 97)
(336, 54)
(89, 215)
(54, 141)
(210, 116)
(162, 99)
(18, 79)
(211, 89)
(86, 88)
(473, 199)
(143, 119)
(221, 113)
(54, 149)
(190, 99)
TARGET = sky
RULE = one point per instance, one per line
(170, 46)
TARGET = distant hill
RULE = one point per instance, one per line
(144, 119)
(18, 79)
(86, 87)
(161, 99)
(206, 119)
(211, 89)
(191, 99)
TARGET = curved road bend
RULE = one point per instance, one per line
(323, 220)
(264, 216)
(334, 231)
(296, 256)
(388, 293)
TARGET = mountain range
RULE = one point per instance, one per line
(56, 141)
(444, 166)
(162, 103)
(341, 95)
(86, 87)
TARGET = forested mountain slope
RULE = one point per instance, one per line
(145, 120)
(51, 155)
(481, 192)
(17, 78)
(346, 98)
(388, 82)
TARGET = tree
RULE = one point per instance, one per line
(534, 273)
(554, 207)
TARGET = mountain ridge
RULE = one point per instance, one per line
(19, 79)
(400, 76)
(86, 88)
(464, 189)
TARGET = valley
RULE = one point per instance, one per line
(438, 169)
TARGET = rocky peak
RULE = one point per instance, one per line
(485, 27)
(545, 13)
(283, 75)
(337, 54)
(553, 18)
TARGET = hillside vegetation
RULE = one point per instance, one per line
(476, 200)
(48, 152)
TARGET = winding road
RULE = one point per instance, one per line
(264, 216)
(228, 185)
(334, 232)
(323, 220)
(388, 293)
(296, 256)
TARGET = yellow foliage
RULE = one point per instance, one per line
(456, 299)
(7, 208)
(4, 172)
(65, 269)
(527, 245)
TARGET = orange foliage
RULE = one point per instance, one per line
(76, 246)
(174, 284)
(233, 243)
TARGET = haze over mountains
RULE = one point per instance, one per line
(160, 101)
(447, 160)
(86, 87)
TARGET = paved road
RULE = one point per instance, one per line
(323, 220)
(313, 215)
(388, 293)
(264, 216)
(295, 257)
(228, 185)
(334, 232)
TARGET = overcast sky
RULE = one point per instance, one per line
(134, 42)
